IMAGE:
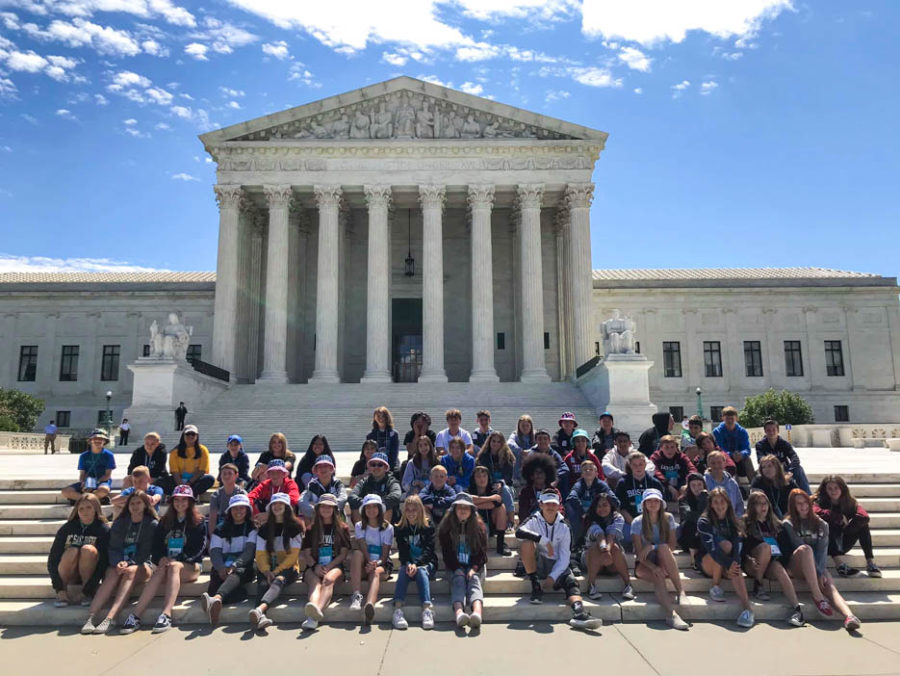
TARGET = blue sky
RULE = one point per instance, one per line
(745, 133)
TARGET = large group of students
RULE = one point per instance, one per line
(575, 502)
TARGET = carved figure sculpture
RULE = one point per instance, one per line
(618, 334)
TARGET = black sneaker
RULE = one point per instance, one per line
(537, 592)
(847, 571)
(163, 623)
(583, 620)
(520, 569)
(132, 624)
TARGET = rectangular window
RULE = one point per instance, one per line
(637, 347)
(109, 367)
(194, 352)
(834, 358)
(712, 358)
(793, 358)
(841, 414)
(68, 365)
(715, 413)
(28, 363)
(63, 418)
(145, 351)
(101, 418)
(596, 348)
(677, 413)
(753, 359)
(501, 341)
(546, 340)
(671, 359)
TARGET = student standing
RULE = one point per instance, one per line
(847, 522)
(189, 465)
(762, 554)
(325, 550)
(545, 549)
(130, 560)
(178, 547)
(653, 539)
(603, 552)
(719, 554)
(80, 551)
(232, 549)
(373, 537)
(463, 539)
(806, 549)
(734, 440)
(235, 455)
(385, 437)
(278, 544)
(717, 477)
(418, 562)
(95, 467)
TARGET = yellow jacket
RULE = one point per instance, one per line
(190, 464)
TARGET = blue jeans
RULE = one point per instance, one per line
(800, 477)
(507, 494)
(423, 584)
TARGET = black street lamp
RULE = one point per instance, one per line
(108, 414)
(410, 261)
(700, 403)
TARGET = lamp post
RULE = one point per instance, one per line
(700, 403)
(108, 414)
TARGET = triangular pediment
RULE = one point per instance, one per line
(402, 109)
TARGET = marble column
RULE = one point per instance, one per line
(378, 198)
(581, 282)
(328, 198)
(229, 198)
(275, 341)
(255, 319)
(532, 283)
(481, 201)
(431, 198)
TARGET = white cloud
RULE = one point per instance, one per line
(101, 100)
(680, 88)
(234, 105)
(66, 114)
(162, 126)
(277, 49)
(184, 177)
(7, 88)
(472, 88)
(28, 62)
(301, 73)
(127, 78)
(129, 122)
(222, 37)
(9, 263)
(145, 9)
(394, 59)
(197, 50)
(635, 59)
(592, 76)
(709, 87)
(228, 92)
(153, 48)
(480, 51)
(638, 90)
(654, 21)
(732, 56)
(83, 33)
(556, 95)
(434, 79)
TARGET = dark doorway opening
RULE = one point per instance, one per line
(407, 339)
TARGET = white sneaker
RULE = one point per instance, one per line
(264, 623)
(427, 618)
(475, 620)
(205, 598)
(255, 616)
(594, 592)
(398, 620)
(309, 624)
(462, 620)
(674, 620)
(88, 627)
(356, 601)
(746, 619)
(311, 610)
(105, 626)
(628, 593)
(716, 594)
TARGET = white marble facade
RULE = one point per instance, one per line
(318, 208)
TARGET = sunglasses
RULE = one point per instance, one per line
(373, 465)
(191, 434)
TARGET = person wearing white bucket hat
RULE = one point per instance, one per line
(278, 543)
(325, 549)
(653, 537)
(371, 557)
(232, 549)
(463, 539)
(546, 550)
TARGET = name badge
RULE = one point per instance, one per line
(374, 552)
(129, 552)
(638, 499)
(672, 474)
(186, 476)
(462, 553)
(326, 555)
(90, 483)
(776, 550)
(229, 560)
(586, 503)
(175, 546)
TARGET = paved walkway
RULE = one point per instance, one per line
(500, 649)
(815, 461)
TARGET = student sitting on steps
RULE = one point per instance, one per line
(545, 549)
(438, 495)
(415, 545)
(80, 551)
(325, 550)
(463, 539)
(603, 552)
(371, 556)
(847, 522)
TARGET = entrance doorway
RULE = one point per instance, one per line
(406, 355)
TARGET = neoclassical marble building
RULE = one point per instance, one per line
(404, 232)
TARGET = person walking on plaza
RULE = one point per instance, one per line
(50, 437)
(180, 414)
(124, 429)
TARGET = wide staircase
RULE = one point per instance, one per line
(31, 511)
(343, 412)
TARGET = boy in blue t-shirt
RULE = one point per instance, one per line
(95, 468)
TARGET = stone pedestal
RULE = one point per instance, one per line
(620, 384)
(159, 384)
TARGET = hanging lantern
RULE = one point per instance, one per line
(410, 261)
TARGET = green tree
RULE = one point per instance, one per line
(788, 408)
(19, 411)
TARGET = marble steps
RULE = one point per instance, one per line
(34, 586)
(868, 606)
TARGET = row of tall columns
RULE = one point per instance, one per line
(378, 198)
